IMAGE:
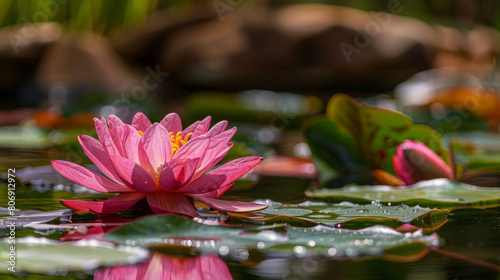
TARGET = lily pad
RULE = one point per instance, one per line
(354, 137)
(477, 155)
(172, 232)
(353, 244)
(27, 218)
(441, 193)
(26, 137)
(345, 214)
(40, 255)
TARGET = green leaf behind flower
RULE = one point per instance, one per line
(356, 138)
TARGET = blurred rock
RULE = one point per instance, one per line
(295, 48)
(27, 41)
(83, 62)
(350, 47)
(143, 43)
(306, 46)
(472, 52)
(21, 47)
(203, 52)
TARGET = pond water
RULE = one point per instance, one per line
(469, 240)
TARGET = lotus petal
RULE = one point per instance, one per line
(96, 153)
(133, 175)
(171, 203)
(176, 173)
(86, 177)
(218, 128)
(125, 137)
(105, 137)
(217, 144)
(113, 205)
(141, 122)
(172, 122)
(155, 149)
(222, 176)
(232, 206)
(194, 148)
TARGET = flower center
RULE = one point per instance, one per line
(176, 140)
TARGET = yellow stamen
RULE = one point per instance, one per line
(186, 139)
(177, 140)
(140, 133)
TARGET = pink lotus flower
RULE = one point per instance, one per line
(160, 162)
(163, 267)
(415, 162)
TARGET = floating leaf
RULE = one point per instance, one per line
(40, 255)
(441, 193)
(27, 218)
(26, 137)
(351, 127)
(345, 215)
(478, 157)
(169, 232)
(352, 244)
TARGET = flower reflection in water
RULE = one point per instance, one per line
(161, 266)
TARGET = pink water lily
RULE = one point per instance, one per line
(415, 162)
(161, 162)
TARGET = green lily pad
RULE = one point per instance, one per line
(356, 138)
(477, 156)
(345, 214)
(353, 244)
(25, 137)
(441, 193)
(27, 218)
(40, 255)
(172, 232)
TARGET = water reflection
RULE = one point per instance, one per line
(161, 266)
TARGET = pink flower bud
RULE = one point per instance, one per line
(415, 162)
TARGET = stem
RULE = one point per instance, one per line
(469, 260)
